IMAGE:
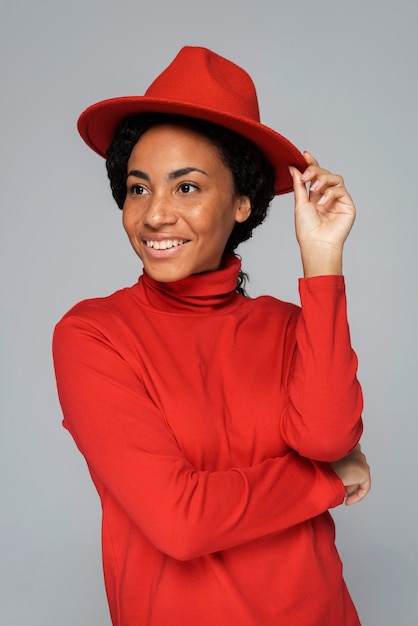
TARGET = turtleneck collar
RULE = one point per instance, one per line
(208, 292)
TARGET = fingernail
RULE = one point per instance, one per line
(322, 200)
(314, 186)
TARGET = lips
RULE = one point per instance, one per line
(165, 244)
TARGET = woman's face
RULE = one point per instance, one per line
(180, 205)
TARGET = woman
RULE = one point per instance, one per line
(218, 429)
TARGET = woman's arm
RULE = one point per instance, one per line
(133, 454)
(325, 401)
(323, 417)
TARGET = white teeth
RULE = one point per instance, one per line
(167, 243)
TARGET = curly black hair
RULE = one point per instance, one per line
(252, 174)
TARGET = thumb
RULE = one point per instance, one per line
(301, 193)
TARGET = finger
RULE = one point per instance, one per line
(331, 194)
(355, 498)
(352, 499)
(313, 169)
(309, 158)
(312, 172)
(357, 494)
(325, 179)
(301, 193)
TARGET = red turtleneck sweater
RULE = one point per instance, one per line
(197, 411)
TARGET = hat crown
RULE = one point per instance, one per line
(203, 78)
(198, 83)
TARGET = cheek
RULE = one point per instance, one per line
(219, 214)
(128, 222)
(128, 215)
(124, 220)
(212, 225)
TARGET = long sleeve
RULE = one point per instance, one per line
(323, 420)
(133, 454)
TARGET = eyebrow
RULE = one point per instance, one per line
(172, 175)
(138, 174)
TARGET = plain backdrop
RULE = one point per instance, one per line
(338, 79)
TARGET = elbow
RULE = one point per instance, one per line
(182, 546)
(330, 446)
(328, 432)
(184, 553)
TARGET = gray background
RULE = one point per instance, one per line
(337, 78)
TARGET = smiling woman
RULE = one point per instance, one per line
(178, 189)
(218, 429)
(252, 174)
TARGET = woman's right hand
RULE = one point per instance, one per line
(354, 472)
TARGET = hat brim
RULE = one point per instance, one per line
(98, 124)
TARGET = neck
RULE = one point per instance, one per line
(209, 292)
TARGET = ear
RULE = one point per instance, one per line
(243, 209)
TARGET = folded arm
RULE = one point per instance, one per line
(133, 454)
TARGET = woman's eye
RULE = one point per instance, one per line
(187, 188)
(138, 190)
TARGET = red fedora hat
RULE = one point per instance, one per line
(198, 83)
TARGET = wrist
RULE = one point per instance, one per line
(321, 261)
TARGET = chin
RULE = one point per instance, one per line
(168, 270)
(167, 274)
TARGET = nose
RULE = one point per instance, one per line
(159, 212)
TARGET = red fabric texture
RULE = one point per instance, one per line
(199, 412)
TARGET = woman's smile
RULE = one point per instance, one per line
(165, 244)
(164, 248)
(180, 206)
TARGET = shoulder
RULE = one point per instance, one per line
(98, 311)
(268, 315)
(274, 306)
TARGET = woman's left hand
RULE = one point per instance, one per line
(324, 216)
(354, 472)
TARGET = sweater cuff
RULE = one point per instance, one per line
(315, 282)
(336, 481)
